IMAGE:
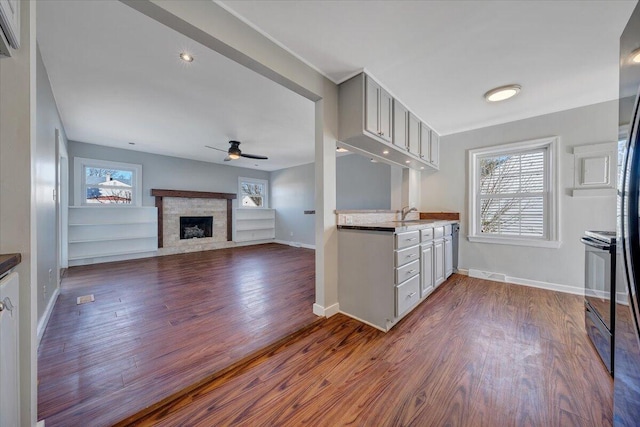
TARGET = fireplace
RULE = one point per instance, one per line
(195, 227)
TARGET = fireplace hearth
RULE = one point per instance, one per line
(196, 227)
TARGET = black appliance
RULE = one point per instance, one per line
(626, 371)
(599, 286)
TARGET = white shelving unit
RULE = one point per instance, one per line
(254, 224)
(109, 233)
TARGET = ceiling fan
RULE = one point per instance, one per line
(235, 153)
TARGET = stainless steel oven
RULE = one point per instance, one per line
(599, 288)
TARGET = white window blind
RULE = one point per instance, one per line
(512, 194)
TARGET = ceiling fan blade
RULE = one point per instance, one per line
(214, 148)
(254, 156)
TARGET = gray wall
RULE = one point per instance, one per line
(361, 184)
(47, 121)
(293, 192)
(447, 191)
(170, 173)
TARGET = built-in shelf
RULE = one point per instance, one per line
(110, 233)
(254, 224)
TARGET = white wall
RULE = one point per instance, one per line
(447, 190)
(164, 172)
(17, 210)
(47, 121)
(361, 184)
(293, 192)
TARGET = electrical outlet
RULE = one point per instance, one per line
(348, 219)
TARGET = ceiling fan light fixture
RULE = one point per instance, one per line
(502, 93)
(234, 156)
(342, 150)
(635, 56)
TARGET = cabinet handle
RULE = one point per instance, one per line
(381, 133)
(411, 294)
(411, 271)
(412, 255)
(409, 240)
(6, 304)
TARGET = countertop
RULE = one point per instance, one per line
(397, 226)
(8, 261)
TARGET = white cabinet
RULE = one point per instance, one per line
(400, 123)
(378, 111)
(434, 150)
(111, 233)
(448, 256)
(10, 25)
(9, 352)
(413, 144)
(426, 271)
(254, 224)
(371, 122)
(438, 262)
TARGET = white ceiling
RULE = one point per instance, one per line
(117, 78)
(440, 57)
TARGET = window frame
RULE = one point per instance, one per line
(551, 219)
(264, 182)
(80, 184)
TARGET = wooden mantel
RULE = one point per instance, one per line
(159, 194)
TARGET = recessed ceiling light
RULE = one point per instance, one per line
(186, 57)
(421, 167)
(407, 161)
(635, 56)
(385, 152)
(342, 150)
(374, 161)
(501, 93)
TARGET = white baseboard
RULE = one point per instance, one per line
(319, 310)
(40, 423)
(500, 277)
(364, 321)
(42, 324)
(462, 271)
(296, 244)
(621, 298)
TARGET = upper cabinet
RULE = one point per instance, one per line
(429, 145)
(378, 110)
(373, 123)
(400, 123)
(10, 26)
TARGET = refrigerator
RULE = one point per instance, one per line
(626, 370)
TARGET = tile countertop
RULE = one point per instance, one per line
(397, 226)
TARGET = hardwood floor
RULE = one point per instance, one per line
(161, 324)
(476, 353)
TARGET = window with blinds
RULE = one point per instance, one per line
(513, 194)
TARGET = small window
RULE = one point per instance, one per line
(253, 193)
(514, 194)
(100, 182)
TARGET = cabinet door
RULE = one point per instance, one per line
(400, 117)
(386, 115)
(425, 141)
(438, 262)
(426, 273)
(414, 135)
(434, 155)
(372, 101)
(448, 257)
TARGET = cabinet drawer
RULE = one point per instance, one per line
(407, 295)
(438, 232)
(410, 238)
(407, 271)
(447, 230)
(426, 234)
(404, 256)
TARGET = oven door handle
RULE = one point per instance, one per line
(595, 244)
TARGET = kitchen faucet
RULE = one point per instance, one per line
(405, 213)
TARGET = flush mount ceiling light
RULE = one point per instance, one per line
(186, 57)
(385, 152)
(501, 93)
(635, 56)
(342, 150)
(374, 161)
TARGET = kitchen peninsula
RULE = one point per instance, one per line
(387, 266)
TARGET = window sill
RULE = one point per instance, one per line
(553, 244)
